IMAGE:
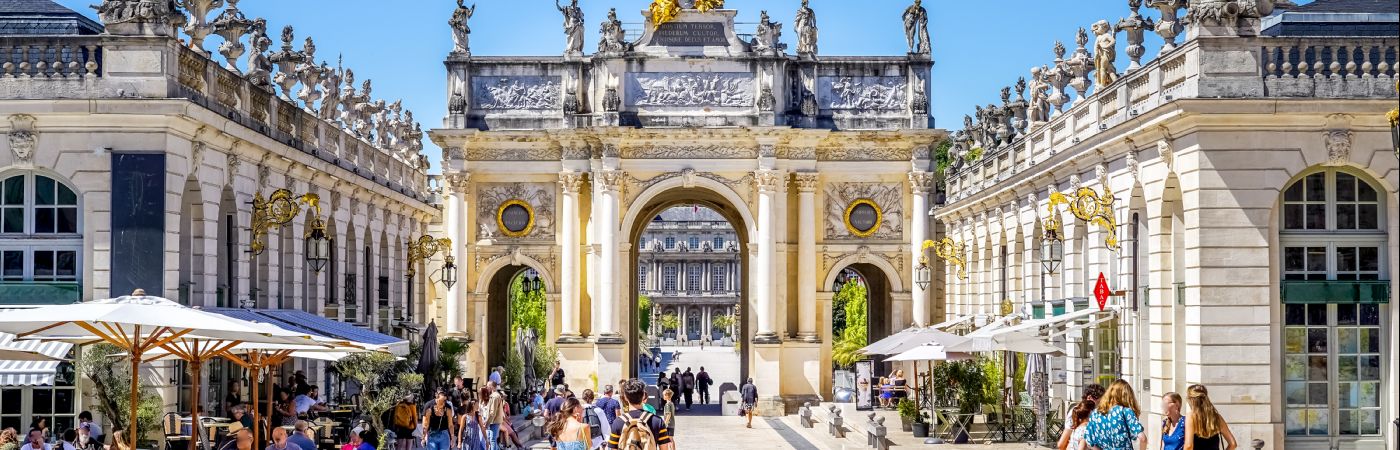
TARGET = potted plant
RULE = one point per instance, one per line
(908, 413)
(920, 425)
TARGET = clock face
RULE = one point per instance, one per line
(515, 218)
(863, 217)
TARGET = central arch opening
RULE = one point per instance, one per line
(689, 288)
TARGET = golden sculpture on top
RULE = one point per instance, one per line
(706, 5)
(663, 11)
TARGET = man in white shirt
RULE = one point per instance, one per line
(306, 401)
(35, 441)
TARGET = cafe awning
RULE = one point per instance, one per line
(32, 373)
(304, 322)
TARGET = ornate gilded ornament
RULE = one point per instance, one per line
(515, 218)
(1007, 307)
(706, 5)
(663, 11)
(1088, 206)
(425, 247)
(950, 251)
(276, 210)
(863, 217)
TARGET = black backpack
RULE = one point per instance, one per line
(595, 423)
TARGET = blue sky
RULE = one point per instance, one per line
(978, 46)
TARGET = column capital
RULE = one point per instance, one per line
(921, 182)
(570, 181)
(767, 179)
(609, 180)
(456, 182)
(806, 181)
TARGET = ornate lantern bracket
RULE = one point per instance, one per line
(947, 250)
(425, 247)
(279, 209)
(1088, 206)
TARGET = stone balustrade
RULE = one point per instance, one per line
(1199, 68)
(46, 58)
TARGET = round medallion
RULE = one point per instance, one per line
(863, 217)
(515, 218)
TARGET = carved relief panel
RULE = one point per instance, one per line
(681, 89)
(864, 211)
(515, 210)
(862, 93)
(516, 92)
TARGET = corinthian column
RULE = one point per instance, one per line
(455, 220)
(919, 184)
(767, 181)
(807, 256)
(610, 185)
(569, 182)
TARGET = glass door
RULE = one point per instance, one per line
(1333, 374)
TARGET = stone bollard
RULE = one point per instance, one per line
(834, 423)
(804, 414)
(1258, 444)
(876, 431)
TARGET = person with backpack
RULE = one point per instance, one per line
(596, 418)
(638, 429)
(687, 387)
(405, 421)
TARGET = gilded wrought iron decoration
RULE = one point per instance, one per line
(1088, 206)
(276, 210)
(950, 251)
(425, 247)
(521, 230)
(863, 229)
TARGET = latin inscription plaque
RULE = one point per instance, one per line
(690, 34)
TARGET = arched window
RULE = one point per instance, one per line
(39, 230)
(1334, 257)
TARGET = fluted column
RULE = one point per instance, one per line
(807, 256)
(767, 181)
(919, 184)
(455, 218)
(569, 183)
(610, 185)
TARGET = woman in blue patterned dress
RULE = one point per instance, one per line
(1174, 424)
(1114, 424)
(472, 432)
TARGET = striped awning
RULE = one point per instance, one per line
(31, 373)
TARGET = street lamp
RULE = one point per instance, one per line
(318, 246)
(449, 273)
(839, 281)
(1052, 251)
(923, 275)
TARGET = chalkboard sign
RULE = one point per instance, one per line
(690, 34)
(515, 218)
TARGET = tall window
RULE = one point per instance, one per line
(695, 242)
(670, 242)
(718, 242)
(1333, 240)
(668, 278)
(717, 275)
(642, 276)
(692, 276)
(39, 238)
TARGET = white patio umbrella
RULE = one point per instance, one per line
(931, 352)
(1007, 341)
(139, 323)
(912, 338)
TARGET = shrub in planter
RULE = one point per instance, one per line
(908, 413)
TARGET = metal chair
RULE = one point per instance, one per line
(175, 436)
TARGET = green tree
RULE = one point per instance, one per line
(450, 354)
(527, 308)
(644, 314)
(848, 342)
(669, 322)
(110, 372)
(383, 379)
(722, 322)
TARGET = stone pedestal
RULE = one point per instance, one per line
(610, 362)
(765, 367)
(576, 358)
(801, 373)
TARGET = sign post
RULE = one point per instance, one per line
(1101, 291)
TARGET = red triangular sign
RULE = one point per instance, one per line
(1101, 291)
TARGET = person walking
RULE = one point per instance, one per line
(567, 429)
(638, 428)
(1206, 430)
(1174, 424)
(1114, 423)
(406, 420)
(608, 405)
(703, 382)
(437, 424)
(668, 409)
(749, 396)
(1073, 439)
(687, 387)
(598, 424)
(675, 382)
(471, 432)
(1092, 393)
(495, 406)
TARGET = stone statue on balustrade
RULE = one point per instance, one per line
(348, 99)
(259, 67)
(330, 94)
(611, 37)
(1079, 65)
(1039, 106)
(460, 31)
(573, 27)
(362, 107)
(309, 75)
(916, 28)
(1105, 52)
(765, 38)
(806, 27)
(1169, 25)
(231, 25)
(140, 17)
(286, 61)
(1058, 75)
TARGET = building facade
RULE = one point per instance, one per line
(1236, 195)
(559, 163)
(689, 267)
(134, 160)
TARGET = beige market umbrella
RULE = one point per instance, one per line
(138, 324)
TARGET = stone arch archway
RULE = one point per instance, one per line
(687, 189)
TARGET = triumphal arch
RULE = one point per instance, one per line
(557, 163)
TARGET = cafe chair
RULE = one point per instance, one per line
(175, 436)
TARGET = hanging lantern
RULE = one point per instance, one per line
(449, 273)
(1052, 251)
(923, 275)
(318, 248)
